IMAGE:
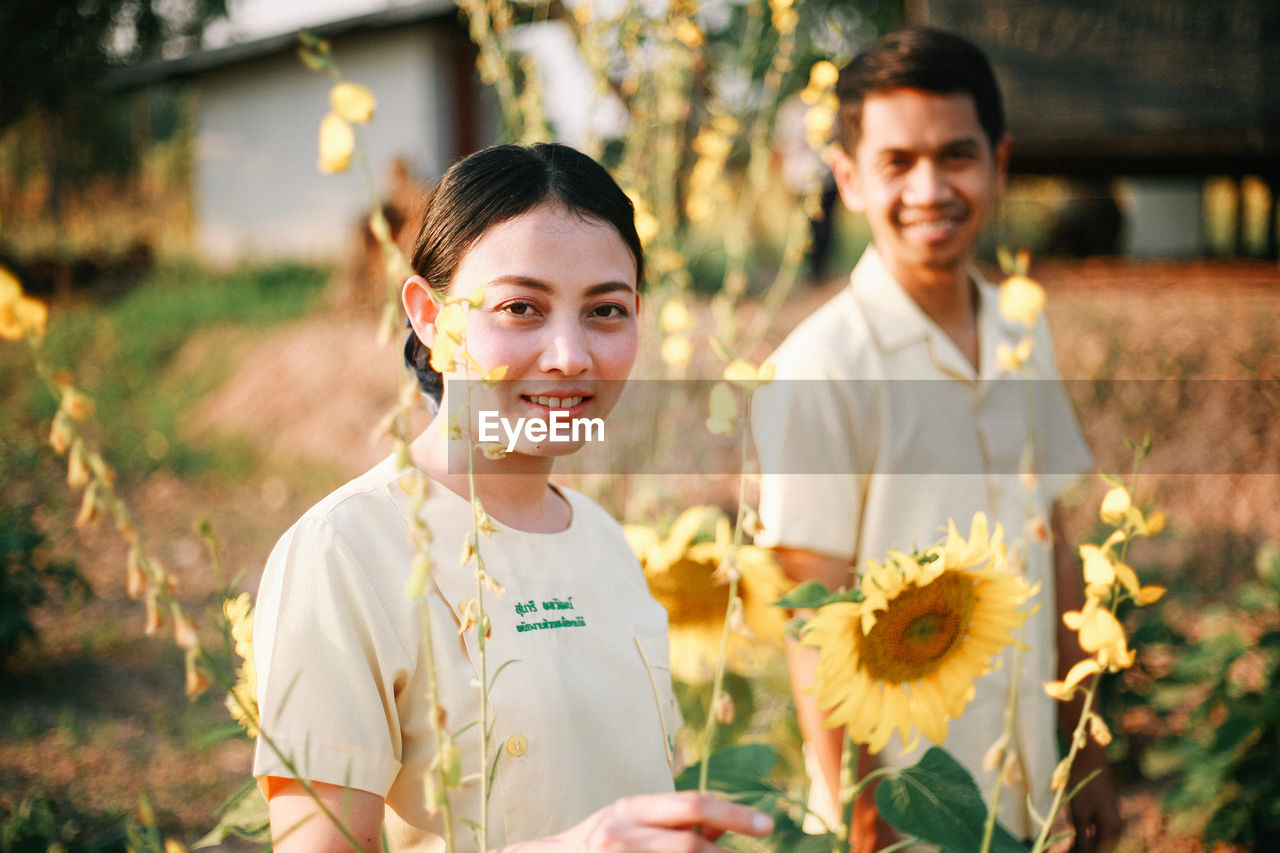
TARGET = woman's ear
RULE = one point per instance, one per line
(421, 306)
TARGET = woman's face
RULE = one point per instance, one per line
(560, 305)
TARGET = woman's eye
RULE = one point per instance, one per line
(519, 309)
(610, 312)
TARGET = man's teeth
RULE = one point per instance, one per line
(558, 402)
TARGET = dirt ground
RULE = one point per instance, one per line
(309, 396)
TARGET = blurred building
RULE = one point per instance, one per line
(257, 191)
(1151, 98)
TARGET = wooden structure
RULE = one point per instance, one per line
(1160, 88)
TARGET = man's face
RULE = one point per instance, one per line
(925, 175)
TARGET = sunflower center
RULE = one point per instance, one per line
(690, 595)
(921, 626)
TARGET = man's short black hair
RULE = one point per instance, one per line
(923, 58)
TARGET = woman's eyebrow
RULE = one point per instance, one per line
(536, 284)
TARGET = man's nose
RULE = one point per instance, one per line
(927, 184)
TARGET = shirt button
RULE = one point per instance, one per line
(406, 483)
(517, 745)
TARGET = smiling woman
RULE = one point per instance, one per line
(548, 239)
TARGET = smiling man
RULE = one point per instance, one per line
(909, 426)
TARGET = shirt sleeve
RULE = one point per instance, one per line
(813, 480)
(328, 665)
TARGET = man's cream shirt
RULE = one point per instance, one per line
(898, 435)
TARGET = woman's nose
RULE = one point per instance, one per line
(567, 352)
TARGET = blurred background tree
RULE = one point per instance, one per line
(59, 130)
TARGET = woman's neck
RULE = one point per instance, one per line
(514, 489)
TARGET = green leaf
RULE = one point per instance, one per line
(739, 769)
(244, 814)
(811, 595)
(938, 801)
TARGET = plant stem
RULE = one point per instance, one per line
(734, 602)
(1077, 739)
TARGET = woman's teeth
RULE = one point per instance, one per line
(557, 402)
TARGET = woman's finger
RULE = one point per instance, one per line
(713, 816)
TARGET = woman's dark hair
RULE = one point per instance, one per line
(921, 58)
(493, 186)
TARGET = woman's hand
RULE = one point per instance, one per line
(681, 822)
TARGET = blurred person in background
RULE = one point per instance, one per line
(922, 153)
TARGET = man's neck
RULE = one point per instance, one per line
(949, 298)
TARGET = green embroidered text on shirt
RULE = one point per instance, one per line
(525, 608)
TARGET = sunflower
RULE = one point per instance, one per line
(926, 625)
(687, 572)
(242, 702)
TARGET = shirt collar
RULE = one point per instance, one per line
(896, 321)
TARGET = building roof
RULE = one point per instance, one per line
(206, 60)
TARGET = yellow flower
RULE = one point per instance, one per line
(1012, 359)
(1021, 300)
(675, 316)
(242, 702)
(687, 574)
(1065, 689)
(20, 315)
(823, 75)
(747, 376)
(451, 325)
(337, 144)
(352, 102)
(689, 34)
(647, 225)
(906, 656)
(1115, 504)
(724, 410)
(676, 350)
(1101, 634)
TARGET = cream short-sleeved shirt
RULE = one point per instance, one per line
(583, 714)
(899, 435)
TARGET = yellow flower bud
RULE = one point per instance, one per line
(724, 410)
(676, 350)
(675, 316)
(419, 574)
(155, 621)
(1060, 775)
(135, 584)
(1021, 300)
(1114, 505)
(60, 433)
(724, 708)
(196, 681)
(1098, 730)
(823, 74)
(77, 470)
(88, 506)
(450, 765)
(337, 144)
(184, 631)
(352, 102)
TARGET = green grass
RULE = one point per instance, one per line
(123, 353)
